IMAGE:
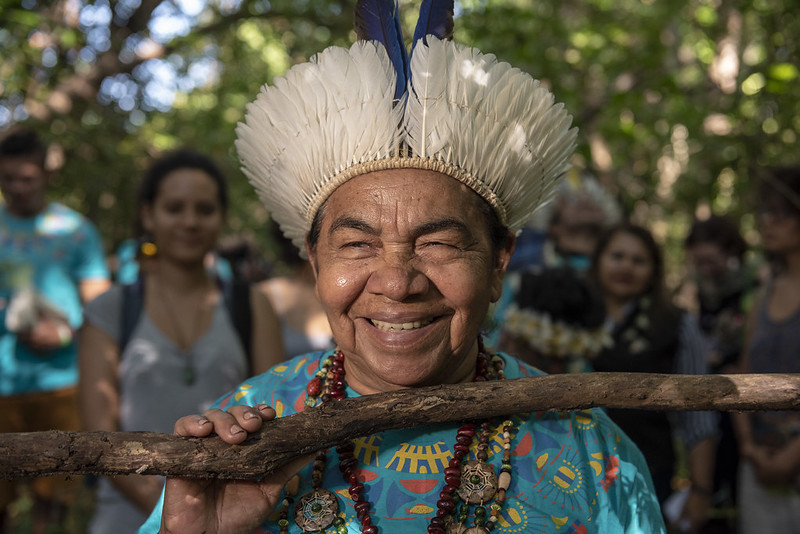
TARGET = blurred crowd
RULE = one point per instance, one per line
(177, 315)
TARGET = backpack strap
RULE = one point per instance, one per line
(130, 310)
(237, 300)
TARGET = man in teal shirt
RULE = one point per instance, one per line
(51, 261)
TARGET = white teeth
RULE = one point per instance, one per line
(398, 327)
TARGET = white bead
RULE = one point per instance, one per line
(504, 480)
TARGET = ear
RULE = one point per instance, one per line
(502, 259)
(311, 253)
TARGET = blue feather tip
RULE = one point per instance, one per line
(435, 18)
(379, 20)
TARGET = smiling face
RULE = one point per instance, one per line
(185, 217)
(625, 268)
(406, 271)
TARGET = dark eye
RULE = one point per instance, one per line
(206, 209)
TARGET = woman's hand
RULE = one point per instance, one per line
(223, 506)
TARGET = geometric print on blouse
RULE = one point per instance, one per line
(566, 466)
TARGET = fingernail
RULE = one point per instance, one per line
(236, 429)
(263, 407)
(250, 415)
(202, 421)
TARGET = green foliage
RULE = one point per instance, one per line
(677, 102)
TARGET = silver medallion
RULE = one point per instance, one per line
(478, 482)
(316, 510)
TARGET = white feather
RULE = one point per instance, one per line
(493, 126)
(493, 121)
(317, 120)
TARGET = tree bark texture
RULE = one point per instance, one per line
(114, 453)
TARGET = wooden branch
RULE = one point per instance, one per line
(112, 453)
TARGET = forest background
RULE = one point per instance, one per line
(678, 103)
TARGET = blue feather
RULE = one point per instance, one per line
(379, 20)
(435, 18)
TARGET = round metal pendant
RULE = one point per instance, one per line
(456, 528)
(316, 510)
(478, 482)
(459, 528)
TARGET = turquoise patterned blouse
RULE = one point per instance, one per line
(573, 472)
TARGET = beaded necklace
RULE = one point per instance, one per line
(469, 485)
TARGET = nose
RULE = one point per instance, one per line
(398, 280)
(190, 218)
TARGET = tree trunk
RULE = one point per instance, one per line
(112, 453)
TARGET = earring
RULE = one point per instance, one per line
(147, 248)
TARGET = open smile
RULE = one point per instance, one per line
(399, 327)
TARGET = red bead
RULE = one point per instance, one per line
(453, 480)
(365, 519)
(372, 529)
(464, 440)
(445, 504)
(435, 530)
(314, 387)
(347, 446)
(438, 522)
(452, 471)
(348, 463)
(463, 449)
(455, 462)
(448, 489)
(352, 477)
(338, 395)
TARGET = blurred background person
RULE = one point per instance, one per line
(556, 323)
(171, 343)
(719, 287)
(563, 233)
(650, 335)
(581, 212)
(51, 262)
(718, 292)
(292, 290)
(769, 487)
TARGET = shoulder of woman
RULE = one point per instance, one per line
(107, 301)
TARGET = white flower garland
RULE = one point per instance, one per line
(556, 338)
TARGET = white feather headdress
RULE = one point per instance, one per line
(464, 114)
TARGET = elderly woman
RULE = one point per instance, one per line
(405, 198)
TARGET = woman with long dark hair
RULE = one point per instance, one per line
(652, 336)
(171, 343)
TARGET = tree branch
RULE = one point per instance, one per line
(110, 453)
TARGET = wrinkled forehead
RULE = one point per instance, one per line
(406, 196)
